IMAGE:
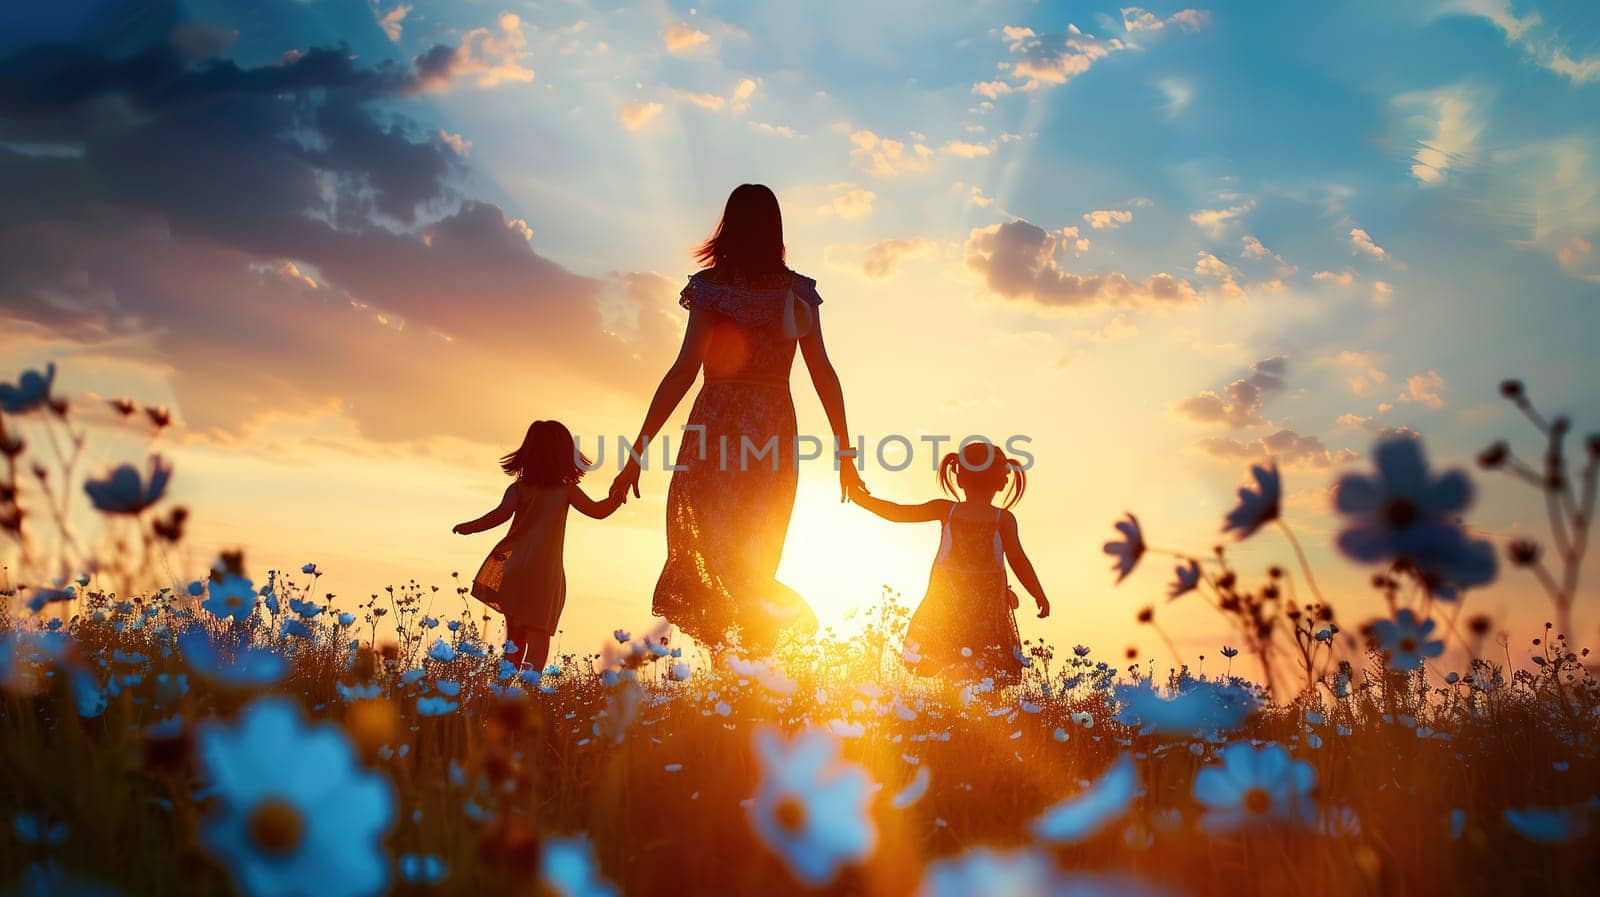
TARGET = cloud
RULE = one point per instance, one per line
(1215, 222)
(1238, 406)
(1119, 327)
(1107, 219)
(884, 157)
(1055, 58)
(883, 255)
(1548, 191)
(1423, 389)
(1288, 448)
(280, 237)
(991, 89)
(636, 114)
(1017, 261)
(683, 40)
(975, 196)
(1367, 377)
(1212, 268)
(966, 150)
(1136, 19)
(761, 127)
(849, 201)
(486, 56)
(1541, 45)
(1361, 241)
(739, 100)
(390, 22)
(1254, 249)
(459, 145)
(1338, 278)
(1447, 125)
(1177, 93)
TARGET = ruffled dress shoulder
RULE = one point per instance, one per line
(754, 302)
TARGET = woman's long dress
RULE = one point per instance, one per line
(729, 502)
(965, 624)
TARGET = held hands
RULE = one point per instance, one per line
(850, 483)
(627, 478)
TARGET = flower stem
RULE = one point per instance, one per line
(1305, 566)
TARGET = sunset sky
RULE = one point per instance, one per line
(358, 246)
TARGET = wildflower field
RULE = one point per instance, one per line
(236, 734)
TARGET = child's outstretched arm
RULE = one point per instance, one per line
(588, 507)
(898, 513)
(502, 513)
(1012, 543)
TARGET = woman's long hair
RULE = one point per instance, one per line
(749, 238)
(547, 456)
(983, 465)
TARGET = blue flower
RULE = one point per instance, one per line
(441, 651)
(1187, 580)
(295, 813)
(237, 665)
(421, 869)
(125, 491)
(1084, 816)
(986, 872)
(1405, 515)
(436, 706)
(1129, 549)
(811, 807)
(296, 628)
(1255, 786)
(1548, 825)
(1198, 708)
(568, 868)
(32, 390)
(234, 597)
(1405, 640)
(311, 570)
(1256, 507)
(345, 619)
(306, 609)
(43, 598)
(38, 831)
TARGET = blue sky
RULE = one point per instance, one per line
(1086, 222)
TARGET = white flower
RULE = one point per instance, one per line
(1082, 817)
(1255, 786)
(811, 807)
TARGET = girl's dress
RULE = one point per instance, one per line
(728, 507)
(524, 577)
(967, 606)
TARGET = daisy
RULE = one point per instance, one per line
(1086, 815)
(1255, 786)
(1187, 580)
(32, 390)
(233, 597)
(811, 807)
(294, 812)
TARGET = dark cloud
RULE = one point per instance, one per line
(1239, 404)
(1017, 261)
(284, 236)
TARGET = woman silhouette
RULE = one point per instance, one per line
(729, 502)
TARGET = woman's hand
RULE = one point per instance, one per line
(460, 529)
(1044, 607)
(627, 478)
(850, 479)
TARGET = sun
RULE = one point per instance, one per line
(839, 557)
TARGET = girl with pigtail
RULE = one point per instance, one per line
(965, 623)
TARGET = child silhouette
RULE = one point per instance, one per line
(524, 577)
(965, 621)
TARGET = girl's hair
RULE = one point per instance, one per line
(982, 465)
(547, 457)
(749, 238)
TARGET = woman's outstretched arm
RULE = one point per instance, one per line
(1012, 543)
(675, 384)
(501, 513)
(831, 393)
(588, 507)
(898, 513)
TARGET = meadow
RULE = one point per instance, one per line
(239, 734)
